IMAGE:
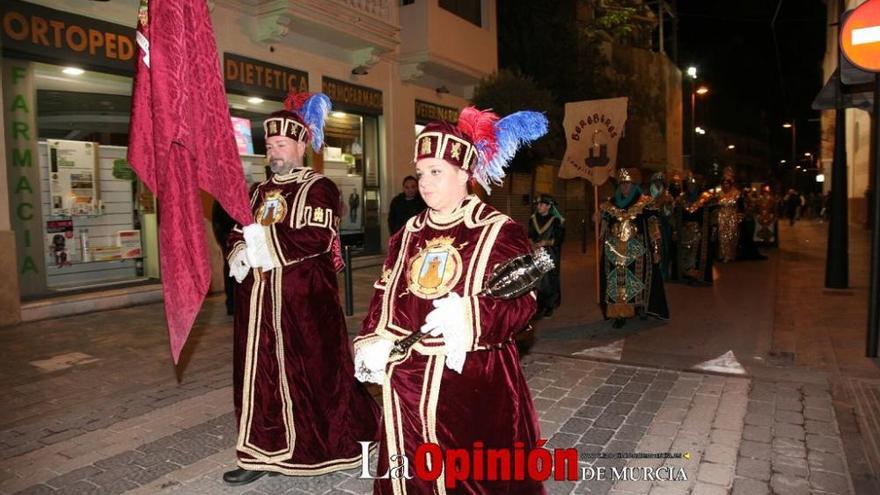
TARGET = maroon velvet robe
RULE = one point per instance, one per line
(299, 409)
(423, 401)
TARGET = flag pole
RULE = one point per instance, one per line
(586, 217)
(596, 234)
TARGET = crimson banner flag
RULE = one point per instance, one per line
(181, 140)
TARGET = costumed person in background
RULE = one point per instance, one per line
(731, 210)
(462, 383)
(630, 282)
(663, 203)
(675, 189)
(697, 233)
(748, 249)
(299, 410)
(547, 230)
(405, 205)
(766, 217)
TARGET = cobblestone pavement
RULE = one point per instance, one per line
(742, 436)
(93, 405)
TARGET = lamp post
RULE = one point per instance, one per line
(692, 73)
(793, 126)
(702, 90)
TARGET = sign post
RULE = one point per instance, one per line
(860, 43)
(593, 129)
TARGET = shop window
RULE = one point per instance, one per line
(99, 223)
(469, 10)
(345, 161)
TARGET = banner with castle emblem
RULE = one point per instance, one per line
(592, 130)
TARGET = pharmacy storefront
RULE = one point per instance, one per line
(81, 218)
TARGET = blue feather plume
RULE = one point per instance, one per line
(314, 112)
(511, 132)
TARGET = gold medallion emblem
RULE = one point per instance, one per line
(436, 269)
(426, 146)
(456, 150)
(273, 209)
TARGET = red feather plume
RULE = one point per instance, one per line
(295, 101)
(480, 126)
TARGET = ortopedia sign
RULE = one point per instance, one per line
(860, 36)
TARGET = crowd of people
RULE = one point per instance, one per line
(438, 343)
(675, 233)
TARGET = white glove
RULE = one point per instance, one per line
(449, 318)
(370, 360)
(239, 266)
(257, 247)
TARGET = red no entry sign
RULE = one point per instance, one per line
(860, 36)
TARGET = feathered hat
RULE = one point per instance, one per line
(628, 175)
(481, 144)
(302, 118)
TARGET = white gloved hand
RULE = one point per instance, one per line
(239, 266)
(370, 360)
(257, 247)
(449, 318)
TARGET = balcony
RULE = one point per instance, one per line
(361, 26)
(430, 54)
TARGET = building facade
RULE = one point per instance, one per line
(858, 130)
(79, 221)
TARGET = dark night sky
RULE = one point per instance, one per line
(752, 90)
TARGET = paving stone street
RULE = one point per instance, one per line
(785, 406)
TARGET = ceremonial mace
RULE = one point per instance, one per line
(512, 279)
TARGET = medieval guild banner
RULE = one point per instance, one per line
(592, 130)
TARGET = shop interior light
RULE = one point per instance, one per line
(820, 177)
(73, 71)
(256, 100)
(731, 146)
(339, 115)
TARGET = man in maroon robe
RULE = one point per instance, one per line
(300, 412)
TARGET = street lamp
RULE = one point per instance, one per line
(793, 126)
(702, 90)
(731, 146)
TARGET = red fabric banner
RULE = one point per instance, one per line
(181, 140)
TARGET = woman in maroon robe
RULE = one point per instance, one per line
(461, 384)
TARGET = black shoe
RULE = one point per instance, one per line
(619, 322)
(548, 313)
(238, 477)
